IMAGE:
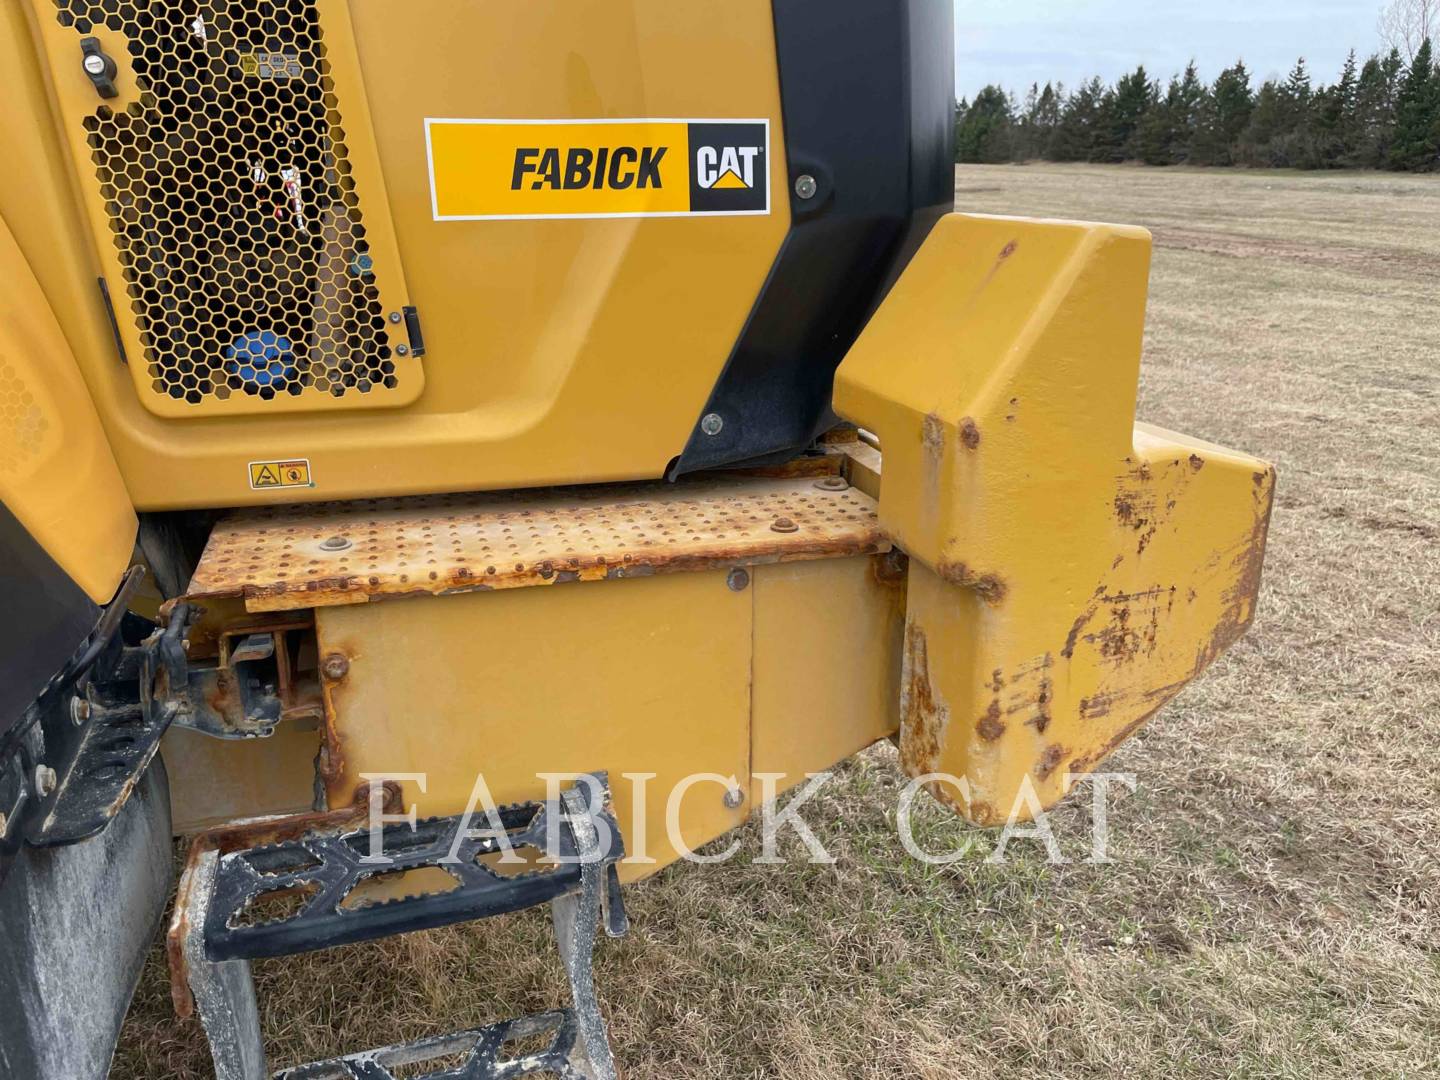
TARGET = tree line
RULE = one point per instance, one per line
(1383, 114)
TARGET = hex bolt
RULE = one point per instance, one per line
(833, 483)
(79, 711)
(45, 780)
(784, 525)
(402, 350)
(395, 317)
(734, 799)
(335, 667)
(805, 186)
(713, 424)
(739, 579)
(336, 543)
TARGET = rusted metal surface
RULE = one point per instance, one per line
(276, 559)
(239, 836)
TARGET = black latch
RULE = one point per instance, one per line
(417, 335)
(100, 68)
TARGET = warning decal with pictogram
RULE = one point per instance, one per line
(280, 474)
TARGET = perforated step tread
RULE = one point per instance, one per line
(284, 558)
(311, 893)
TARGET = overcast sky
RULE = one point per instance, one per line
(1017, 42)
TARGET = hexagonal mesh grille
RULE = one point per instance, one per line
(232, 203)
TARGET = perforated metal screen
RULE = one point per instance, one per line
(234, 208)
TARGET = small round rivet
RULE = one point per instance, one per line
(402, 350)
(805, 186)
(335, 667)
(833, 483)
(739, 579)
(734, 799)
(336, 543)
(45, 780)
(395, 317)
(713, 424)
(784, 525)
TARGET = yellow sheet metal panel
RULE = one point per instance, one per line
(213, 782)
(57, 475)
(828, 639)
(643, 676)
(537, 331)
(1077, 570)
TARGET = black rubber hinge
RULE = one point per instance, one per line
(417, 335)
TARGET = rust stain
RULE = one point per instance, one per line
(1072, 638)
(1197, 462)
(990, 587)
(990, 727)
(932, 436)
(1050, 760)
(924, 719)
(970, 433)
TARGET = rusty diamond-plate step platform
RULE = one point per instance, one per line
(284, 558)
(544, 1045)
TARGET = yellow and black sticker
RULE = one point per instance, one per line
(483, 170)
(280, 474)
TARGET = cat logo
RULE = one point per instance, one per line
(728, 168)
(484, 170)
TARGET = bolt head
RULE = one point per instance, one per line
(95, 64)
(833, 483)
(4, 825)
(335, 667)
(395, 317)
(45, 780)
(79, 711)
(784, 525)
(734, 799)
(336, 543)
(806, 186)
(739, 579)
(713, 424)
(402, 350)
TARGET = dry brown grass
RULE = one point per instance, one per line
(1275, 907)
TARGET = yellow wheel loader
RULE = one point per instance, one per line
(458, 456)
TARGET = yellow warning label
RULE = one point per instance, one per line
(487, 169)
(280, 474)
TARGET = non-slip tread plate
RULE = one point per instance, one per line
(332, 554)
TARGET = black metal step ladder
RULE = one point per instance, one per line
(562, 853)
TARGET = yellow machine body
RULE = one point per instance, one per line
(57, 474)
(1068, 570)
(540, 334)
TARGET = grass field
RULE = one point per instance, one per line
(1274, 910)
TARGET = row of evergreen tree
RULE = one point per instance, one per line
(1384, 114)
